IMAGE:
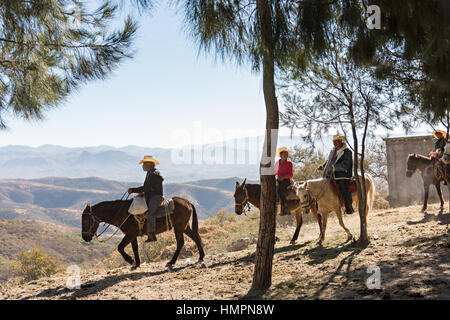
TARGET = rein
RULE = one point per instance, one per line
(244, 202)
(96, 219)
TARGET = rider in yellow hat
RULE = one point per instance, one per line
(153, 192)
(439, 147)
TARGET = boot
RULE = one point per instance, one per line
(349, 209)
(284, 209)
(151, 237)
(150, 231)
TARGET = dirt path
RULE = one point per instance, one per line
(412, 250)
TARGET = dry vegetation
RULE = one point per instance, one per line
(411, 248)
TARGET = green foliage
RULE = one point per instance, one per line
(306, 161)
(34, 264)
(412, 49)
(49, 48)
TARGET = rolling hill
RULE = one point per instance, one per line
(62, 243)
(61, 200)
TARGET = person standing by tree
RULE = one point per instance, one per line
(284, 172)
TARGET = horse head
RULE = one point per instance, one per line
(89, 223)
(411, 164)
(240, 197)
(305, 197)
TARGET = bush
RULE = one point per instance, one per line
(380, 203)
(34, 264)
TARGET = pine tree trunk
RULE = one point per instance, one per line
(362, 199)
(262, 276)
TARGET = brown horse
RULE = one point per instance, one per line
(251, 193)
(425, 165)
(116, 214)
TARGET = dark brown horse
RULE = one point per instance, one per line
(116, 214)
(251, 193)
(425, 165)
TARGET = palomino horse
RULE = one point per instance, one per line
(425, 165)
(116, 214)
(320, 193)
(251, 193)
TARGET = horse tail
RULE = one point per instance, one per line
(371, 192)
(194, 220)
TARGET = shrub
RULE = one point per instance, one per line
(34, 264)
(380, 203)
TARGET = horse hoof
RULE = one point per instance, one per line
(292, 242)
(169, 266)
(134, 268)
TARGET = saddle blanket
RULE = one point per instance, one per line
(166, 206)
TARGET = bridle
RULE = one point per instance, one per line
(94, 219)
(244, 202)
(309, 200)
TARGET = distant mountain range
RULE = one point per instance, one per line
(239, 157)
(61, 200)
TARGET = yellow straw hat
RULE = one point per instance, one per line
(149, 159)
(444, 134)
(282, 149)
(338, 137)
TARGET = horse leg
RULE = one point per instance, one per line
(135, 246)
(324, 227)
(125, 241)
(439, 191)
(299, 218)
(198, 241)
(426, 186)
(341, 223)
(180, 243)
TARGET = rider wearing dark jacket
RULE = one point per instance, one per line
(153, 193)
(341, 169)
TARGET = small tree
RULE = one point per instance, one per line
(34, 264)
(306, 161)
(340, 95)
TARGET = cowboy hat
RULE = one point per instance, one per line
(444, 134)
(148, 159)
(282, 149)
(338, 137)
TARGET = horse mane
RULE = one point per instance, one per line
(109, 203)
(253, 190)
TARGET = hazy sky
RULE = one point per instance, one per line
(166, 96)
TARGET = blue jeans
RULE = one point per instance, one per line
(343, 186)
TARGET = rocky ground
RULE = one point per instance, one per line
(411, 249)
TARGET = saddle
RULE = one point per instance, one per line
(291, 192)
(351, 186)
(165, 209)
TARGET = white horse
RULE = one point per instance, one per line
(320, 192)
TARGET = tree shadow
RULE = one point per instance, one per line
(99, 285)
(443, 218)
